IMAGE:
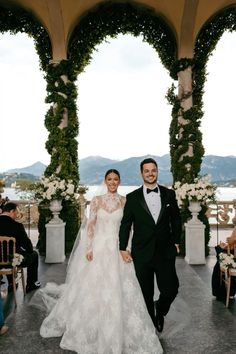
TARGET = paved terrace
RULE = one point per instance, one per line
(197, 323)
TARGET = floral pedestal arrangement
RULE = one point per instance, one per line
(195, 242)
(52, 191)
(55, 235)
(190, 196)
(55, 207)
(55, 242)
(195, 208)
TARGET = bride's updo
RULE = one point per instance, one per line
(112, 170)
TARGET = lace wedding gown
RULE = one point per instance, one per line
(100, 309)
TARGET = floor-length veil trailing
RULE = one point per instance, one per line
(100, 308)
(80, 240)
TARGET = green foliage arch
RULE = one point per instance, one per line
(15, 19)
(112, 18)
(206, 42)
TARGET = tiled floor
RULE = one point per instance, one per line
(196, 323)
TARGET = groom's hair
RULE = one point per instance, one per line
(9, 206)
(148, 160)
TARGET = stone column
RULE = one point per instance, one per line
(55, 242)
(185, 95)
(195, 242)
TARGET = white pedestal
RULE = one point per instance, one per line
(55, 242)
(195, 242)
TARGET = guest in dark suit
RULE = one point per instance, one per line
(10, 227)
(153, 213)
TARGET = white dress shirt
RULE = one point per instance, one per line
(153, 201)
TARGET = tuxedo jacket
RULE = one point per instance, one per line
(10, 227)
(151, 240)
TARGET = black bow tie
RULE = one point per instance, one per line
(152, 190)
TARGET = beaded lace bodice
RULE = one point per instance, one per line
(110, 203)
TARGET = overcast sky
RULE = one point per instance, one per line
(121, 104)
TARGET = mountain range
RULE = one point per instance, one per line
(92, 169)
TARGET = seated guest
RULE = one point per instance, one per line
(3, 327)
(10, 227)
(218, 288)
(229, 241)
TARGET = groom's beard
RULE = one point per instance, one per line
(151, 180)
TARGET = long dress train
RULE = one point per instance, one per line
(100, 309)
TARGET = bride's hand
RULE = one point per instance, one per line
(89, 256)
(126, 256)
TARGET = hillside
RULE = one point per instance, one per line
(37, 169)
(221, 169)
(93, 168)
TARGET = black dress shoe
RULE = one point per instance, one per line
(32, 287)
(159, 323)
(159, 319)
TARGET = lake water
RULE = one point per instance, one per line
(223, 193)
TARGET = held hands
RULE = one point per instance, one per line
(177, 248)
(89, 256)
(126, 256)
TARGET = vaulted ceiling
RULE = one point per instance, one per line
(185, 18)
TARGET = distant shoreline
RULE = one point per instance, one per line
(223, 193)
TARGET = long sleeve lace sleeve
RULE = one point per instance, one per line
(91, 223)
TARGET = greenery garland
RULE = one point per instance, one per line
(111, 19)
(107, 19)
(205, 44)
(61, 143)
(15, 19)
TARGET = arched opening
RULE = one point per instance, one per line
(122, 107)
(218, 123)
(23, 106)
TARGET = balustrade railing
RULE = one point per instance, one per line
(221, 214)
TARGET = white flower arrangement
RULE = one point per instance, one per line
(17, 259)
(227, 260)
(201, 190)
(51, 188)
(82, 189)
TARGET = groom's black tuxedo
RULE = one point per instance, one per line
(153, 245)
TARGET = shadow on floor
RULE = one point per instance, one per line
(196, 323)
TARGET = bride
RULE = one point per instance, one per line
(100, 308)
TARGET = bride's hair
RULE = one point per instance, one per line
(112, 170)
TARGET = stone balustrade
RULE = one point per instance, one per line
(28, 213)
(221, 213)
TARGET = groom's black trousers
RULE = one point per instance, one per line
(167, 282)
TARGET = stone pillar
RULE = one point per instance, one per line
(195, 242)
(55, 242)
(185, 95)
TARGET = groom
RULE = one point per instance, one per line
(153, 212)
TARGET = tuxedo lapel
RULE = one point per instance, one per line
(163, 202)
(143, 202)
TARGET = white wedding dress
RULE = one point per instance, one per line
(100, 309)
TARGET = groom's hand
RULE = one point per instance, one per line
(126, 256)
